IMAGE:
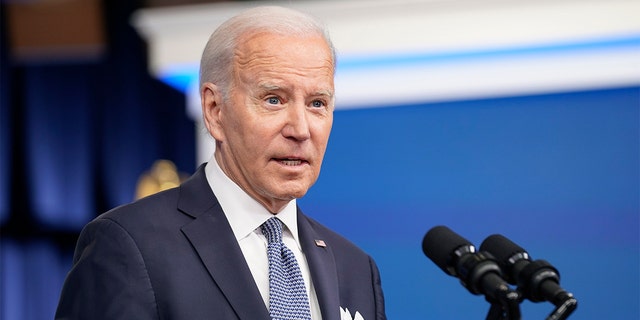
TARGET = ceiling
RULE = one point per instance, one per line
(414, 51)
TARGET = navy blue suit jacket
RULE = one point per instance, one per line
(173, 255)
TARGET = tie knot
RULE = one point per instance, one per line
(272, 229)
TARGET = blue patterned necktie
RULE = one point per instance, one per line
(287, 292)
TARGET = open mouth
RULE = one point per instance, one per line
(291, 162)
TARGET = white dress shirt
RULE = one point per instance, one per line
(246, 215)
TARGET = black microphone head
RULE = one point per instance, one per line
(440, 243)
(537, 280)
(508, 254)
(501, 248)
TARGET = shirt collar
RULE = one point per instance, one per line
(244, 213)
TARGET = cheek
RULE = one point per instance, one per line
(254, 142)
(238, 127)
(322, 132)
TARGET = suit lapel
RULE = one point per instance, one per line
(212, 237)
(322, 267)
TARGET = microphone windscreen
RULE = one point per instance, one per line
(439, 245)
(501, 248)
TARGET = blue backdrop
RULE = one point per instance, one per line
(558, 174)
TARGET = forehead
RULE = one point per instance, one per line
(265, 51)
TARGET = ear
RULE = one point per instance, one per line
(211, 100)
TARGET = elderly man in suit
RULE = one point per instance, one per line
(231, 242)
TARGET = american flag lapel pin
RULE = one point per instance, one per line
(320, 243)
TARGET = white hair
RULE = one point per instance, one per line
(217, 58)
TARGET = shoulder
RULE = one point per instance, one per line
(148, 219)
(154, 206)
(141, 227)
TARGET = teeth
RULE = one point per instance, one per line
(291, 162)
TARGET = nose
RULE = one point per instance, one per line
(297, 124)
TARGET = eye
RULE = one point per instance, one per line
(317, 104)
(273, 100)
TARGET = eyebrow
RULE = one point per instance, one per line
(266, 86)
(269, 86)
(326, 93)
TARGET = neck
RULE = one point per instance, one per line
(273, 205)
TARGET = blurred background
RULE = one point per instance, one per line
(515, 117)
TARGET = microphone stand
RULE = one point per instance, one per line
(564, 309)
(507, 306)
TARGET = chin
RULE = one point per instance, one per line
(288, 189)
(294, 193)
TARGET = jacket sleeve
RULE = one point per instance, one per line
(377, 291)
(109, 279)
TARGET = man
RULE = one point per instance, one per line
(204, 250)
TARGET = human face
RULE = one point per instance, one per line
(272, 132)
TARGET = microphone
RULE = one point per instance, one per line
(538, 280)
(478, 272)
